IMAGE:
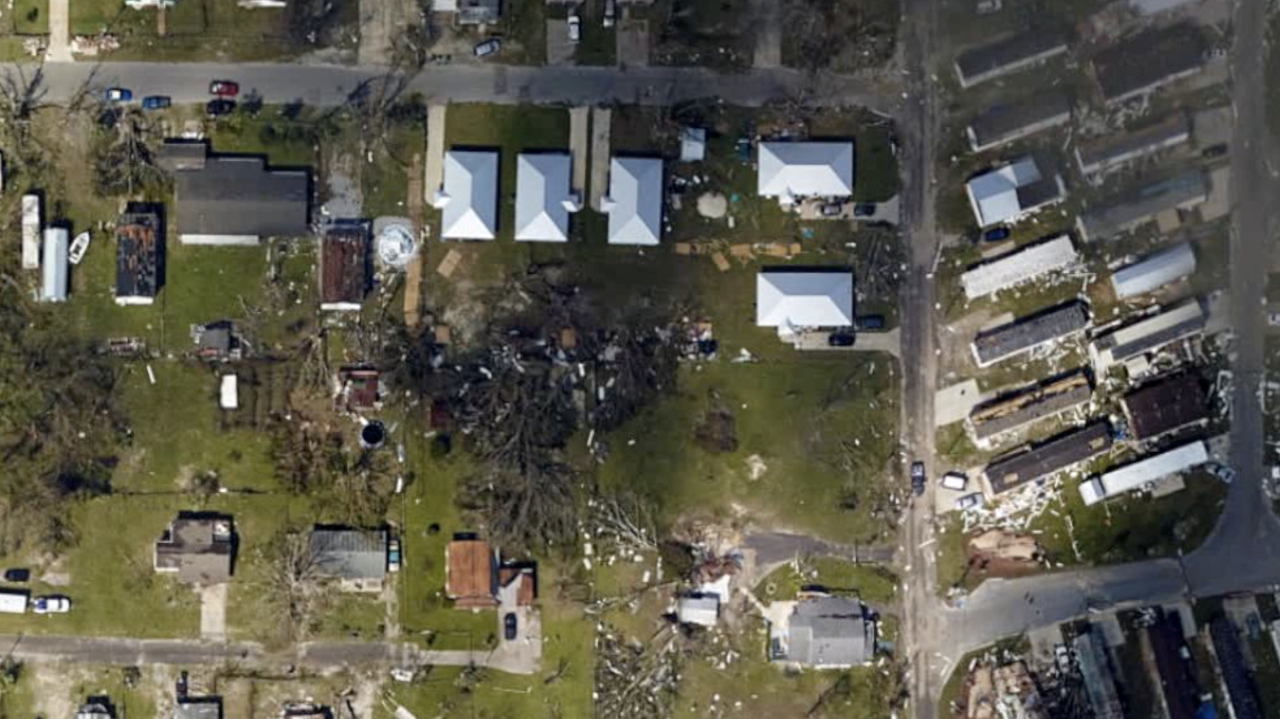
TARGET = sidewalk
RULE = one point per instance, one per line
(59, 31)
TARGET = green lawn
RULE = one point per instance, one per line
(30, 17)
(794, 416)
(870, 583)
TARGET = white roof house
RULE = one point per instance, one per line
(700, 609)
(30, 232)
(792, 170)
(1154, 271)
(1134, 476)
(229, 392)
(1019, 266)
(56, 265)
(543, 197)
(469, 198)
(791, 300)
(1012, 192)
(634, 203)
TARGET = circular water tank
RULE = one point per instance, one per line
(373, 435)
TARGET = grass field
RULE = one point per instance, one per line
(872, 584)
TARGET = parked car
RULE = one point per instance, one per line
(17, 575)
(575, 29)
(1214, 151)
(156, 102)
(996, 234)
(509, 626)
(868, 323)
(220, 107)
(119, 94)
(917, 478)
(488, 47)
(840, 339)
(1222, 472)
(970, 501)
(393, 555)
(224, 88)
(51, 605)
(831, 209)
(610, 13)
(864, 209)
(1273, 319)
(955, 480)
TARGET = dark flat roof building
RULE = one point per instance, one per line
(1146, 61)
(1226, 644)
(139, 243)
(1008, 122)
(1166, 405)
(235, 199)
(1066, 450)
(1008, 55)
(1027, 333)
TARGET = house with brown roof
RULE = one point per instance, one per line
(344, 267)
(197, 548)
(359, 389)
(475, 578)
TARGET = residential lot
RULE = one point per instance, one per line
(1177, 660)
(1074, 180)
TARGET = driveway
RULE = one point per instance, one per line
(213, 613)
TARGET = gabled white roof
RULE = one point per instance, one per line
(634, 203)
(1019, 266)
(542, 189)
(469, 199)
(804, 299)
(805, 169)
(994, 194)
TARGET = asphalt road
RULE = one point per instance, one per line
(330, 85)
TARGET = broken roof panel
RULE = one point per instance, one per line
(542, 197)
(138, 241)
(634, 203)
(1027, 333)
(1018, 409)
(1048, 458)
(469, 199)
(1166, 405)
(344, 267)
(1148, 335)
(1100, 155)
(1154, 271)
(804, 299)
(791, 170)
(1021, 265)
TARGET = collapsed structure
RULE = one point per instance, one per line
(1048, 458)
(1017, 410)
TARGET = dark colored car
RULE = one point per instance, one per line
(840, 339)
(218, 108)
(996, 234)
(509, 626)
(17, 575)
(156, 102)
(224, 88)
(1215, 151)
(917, 478)
(864, 209)
(868, 323)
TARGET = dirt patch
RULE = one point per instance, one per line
(997, 554)
(717, 432)
(51, 685)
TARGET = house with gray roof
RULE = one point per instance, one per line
(634, 203)
(198, 708)
(1007, 55)
(825, 632)
(234, 199)
(1127, 213)
(1027, 333)
(1008, 122)
(197, 548)
(543, 197)
(1149, 60)
(1101, 156)
(357, 558)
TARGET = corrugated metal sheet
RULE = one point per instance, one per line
(1019, 266)
(1154, 271)
(54, 265)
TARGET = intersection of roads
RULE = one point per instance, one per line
(1242, 554)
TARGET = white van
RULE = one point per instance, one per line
(955, 480)
(13, 602)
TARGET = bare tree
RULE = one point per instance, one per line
(124, 162)
(627, 521)
(637, 680)
(293, 589)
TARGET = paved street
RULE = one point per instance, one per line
(328, 85)
(121, 651)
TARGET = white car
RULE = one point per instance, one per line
(575, 29)
(51, 605)
(970, 501)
